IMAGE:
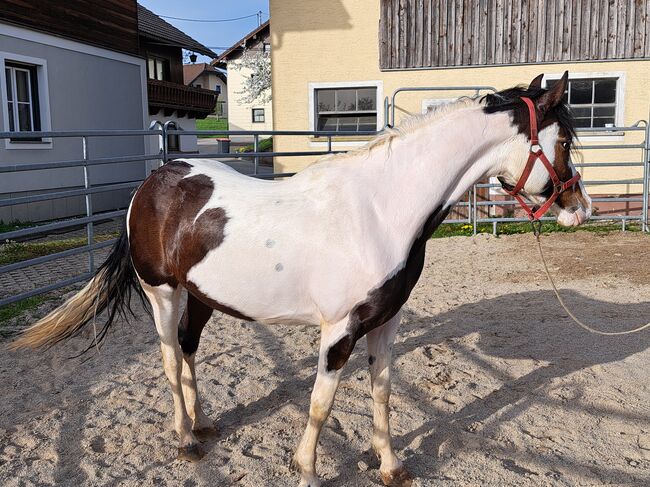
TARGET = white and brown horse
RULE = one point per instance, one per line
(340, 245)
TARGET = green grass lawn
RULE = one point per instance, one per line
(459, 229)
(211, 124)
(17, 251)
(10, 311)
(15, 225)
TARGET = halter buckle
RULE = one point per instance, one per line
(535, 148)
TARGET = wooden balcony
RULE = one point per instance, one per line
(185, 100)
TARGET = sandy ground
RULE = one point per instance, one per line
(493, 385)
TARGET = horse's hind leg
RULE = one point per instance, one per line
(165, 303)
(380, 347)
(195, 316)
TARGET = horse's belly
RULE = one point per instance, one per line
(264, 289)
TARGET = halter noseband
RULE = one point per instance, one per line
(536, 152)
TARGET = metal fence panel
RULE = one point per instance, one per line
(472, 210)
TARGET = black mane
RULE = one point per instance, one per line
(510, 99)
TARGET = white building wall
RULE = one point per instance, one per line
(240, 114)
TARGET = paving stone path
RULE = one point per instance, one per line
(40, 275)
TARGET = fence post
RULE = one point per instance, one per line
(474, 212)
(646, 184)
(89, 206)
(256, 144)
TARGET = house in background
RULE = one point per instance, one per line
(169, 99)
(204, 75)
(75, 65)
(69, 65)
(246, 116)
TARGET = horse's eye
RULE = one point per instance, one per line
(566, 145)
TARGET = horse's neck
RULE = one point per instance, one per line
(434, 166)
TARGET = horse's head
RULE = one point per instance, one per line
(551, 183)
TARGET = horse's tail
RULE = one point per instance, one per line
(109, 288)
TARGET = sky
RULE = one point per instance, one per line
(216, 36)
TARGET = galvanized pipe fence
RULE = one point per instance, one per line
(482, 204)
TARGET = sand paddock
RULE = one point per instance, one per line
(493, 385)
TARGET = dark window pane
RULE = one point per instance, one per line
(10, 110)
(580, 92)
(368, 123)
(604, 111)
(367, 99)
(582, 122)
(10, 91)
(348, 124)
(24, 117)
(584, 112)
(605, 91)
(22, 85)
(325, 101)
(346, 100)
(327, 123)
(603, 121)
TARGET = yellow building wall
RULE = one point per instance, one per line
(240, 113)
(337, 41)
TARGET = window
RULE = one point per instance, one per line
(158, 68)
(23, 111)
(346, 109)
(198, 85)
(592, 101)
(258, 115)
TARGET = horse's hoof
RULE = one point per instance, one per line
(206, 432)
(397, 478)
(193, 453)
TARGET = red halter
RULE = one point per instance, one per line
(536, 152)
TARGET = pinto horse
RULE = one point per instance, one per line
(339, 245)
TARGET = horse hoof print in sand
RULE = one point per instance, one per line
(254, 249)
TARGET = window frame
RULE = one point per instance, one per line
(313, 87)
(39, 95)
(253, 110)
(619, 111)
(166, 67)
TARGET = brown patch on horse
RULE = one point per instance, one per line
(149, 211)
(383, 302)
(194, 318)
(167, 239)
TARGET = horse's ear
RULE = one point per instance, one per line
(536, 84)
(553, 97)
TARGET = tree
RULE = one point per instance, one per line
(257, 86)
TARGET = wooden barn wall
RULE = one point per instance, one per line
(110, 23)
(431, 33)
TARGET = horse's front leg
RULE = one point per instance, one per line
(335, 348)
(380, 347)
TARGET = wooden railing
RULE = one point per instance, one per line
(196, 102)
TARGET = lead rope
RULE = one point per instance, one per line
(559, 298)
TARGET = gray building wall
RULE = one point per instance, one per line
(87, 91)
